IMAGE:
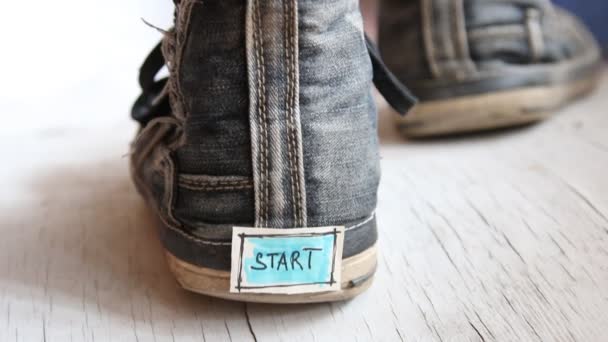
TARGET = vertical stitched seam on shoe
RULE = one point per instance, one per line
(294, 131)
(534, 33)
(301, 189)
(447, 42)
(427, 35)
(262, 115)
(258, 171)
(289, 103)
(286, 33)
(179, 54)
(460, 37)
(259, 186)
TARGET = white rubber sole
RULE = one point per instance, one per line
(491, 110)
(357, 276)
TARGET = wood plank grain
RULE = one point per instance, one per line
(491, 237)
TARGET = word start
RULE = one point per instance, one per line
(286, 261)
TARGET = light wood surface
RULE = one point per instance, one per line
(494, 237)
(500, 236)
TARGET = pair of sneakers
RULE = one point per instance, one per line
(259, 152)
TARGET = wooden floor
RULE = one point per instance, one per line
(500, 236)
(494, 237)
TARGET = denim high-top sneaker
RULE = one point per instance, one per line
(266, 121)
(479, 64)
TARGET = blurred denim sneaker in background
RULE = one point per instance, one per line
(478, 65)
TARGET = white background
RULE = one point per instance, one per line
(67, 61)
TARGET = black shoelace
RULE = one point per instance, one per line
(394, 92)
(151, 104)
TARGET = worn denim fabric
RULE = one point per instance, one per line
(444, 48)
(272, 124)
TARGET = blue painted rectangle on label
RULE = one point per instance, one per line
(288, 261)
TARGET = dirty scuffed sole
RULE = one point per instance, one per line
(357, 276)
(490, 111)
